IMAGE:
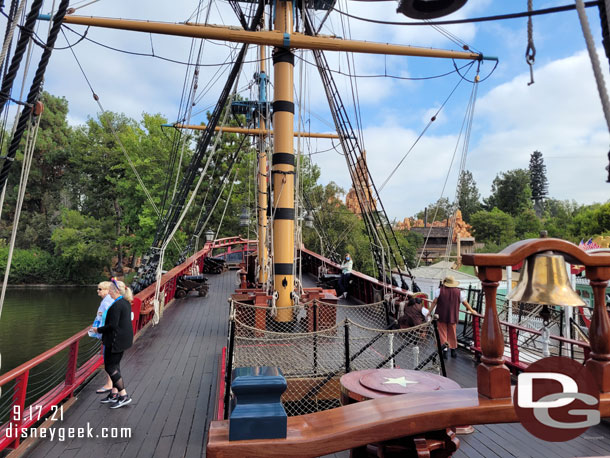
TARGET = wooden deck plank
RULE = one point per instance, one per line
(167, 372)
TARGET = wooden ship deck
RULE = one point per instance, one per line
(172, 374)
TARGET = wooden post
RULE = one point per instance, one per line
(71, 370)
(599, 330)
(18, 409)
(493, 377)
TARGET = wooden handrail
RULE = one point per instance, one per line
(535, 331)
(373, 421)
(43, 357)
(355, 273)
(77, 375)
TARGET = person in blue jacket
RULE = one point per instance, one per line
(117, 336)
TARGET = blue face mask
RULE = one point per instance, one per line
(347, 258)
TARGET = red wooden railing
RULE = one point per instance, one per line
(366, 289)
(22, 416)
(369, 290)
(514, 360)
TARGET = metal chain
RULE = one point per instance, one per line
(530, 51)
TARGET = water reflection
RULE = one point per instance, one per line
(36, 319)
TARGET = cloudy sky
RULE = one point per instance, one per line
(560, 114)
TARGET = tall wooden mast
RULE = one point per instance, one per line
(283, 165)
(263, 173)
(283, 39)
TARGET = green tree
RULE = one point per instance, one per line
(493, 226)
(527, 224)
(603, 218)
(49, 175)
(438, 211)
(510, 192)
(84, 244)
(585, 223)
(469, 198)
(538, 182)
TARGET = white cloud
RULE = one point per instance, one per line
(560, 115)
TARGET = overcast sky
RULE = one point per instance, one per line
(560, 114)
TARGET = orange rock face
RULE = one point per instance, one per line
(461, 227)
(361, 188)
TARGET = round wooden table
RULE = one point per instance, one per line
(377, 383)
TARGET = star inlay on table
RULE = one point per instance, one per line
(402, 381)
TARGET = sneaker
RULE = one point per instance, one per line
(121, 401)
(111, 398)
(453, 353)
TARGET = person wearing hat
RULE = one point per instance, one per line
(447, 300)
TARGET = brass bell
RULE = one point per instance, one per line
(428, 9)
(544, 280)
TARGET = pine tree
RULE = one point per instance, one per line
(538, 182)
(469, 198)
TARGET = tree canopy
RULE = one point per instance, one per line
(510, 192)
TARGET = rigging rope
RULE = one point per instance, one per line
(9, 33)
(190, 103)
(543, 11)
(35, 90)
(74, 9)
(226, 204)
(24, 37)
(23, 181)
(599, 77)
(117, 138)
(432, 119)
(357, 169)
(530, 52)
(467, 115)
(26, 70)
(159, 267)
(465, 145)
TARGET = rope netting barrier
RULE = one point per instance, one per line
(322, 342)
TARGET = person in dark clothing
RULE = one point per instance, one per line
(413, 314)
(447, 300)
(117, 336)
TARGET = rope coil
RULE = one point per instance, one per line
(530, 51)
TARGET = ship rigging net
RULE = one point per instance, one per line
(323, 343)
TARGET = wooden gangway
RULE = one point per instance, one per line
(171, 373)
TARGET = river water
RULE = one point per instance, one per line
(36, 319)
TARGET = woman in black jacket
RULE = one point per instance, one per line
(117, 336)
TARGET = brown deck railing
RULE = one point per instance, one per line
(514, 359)
(366, 289)
(29, 403)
